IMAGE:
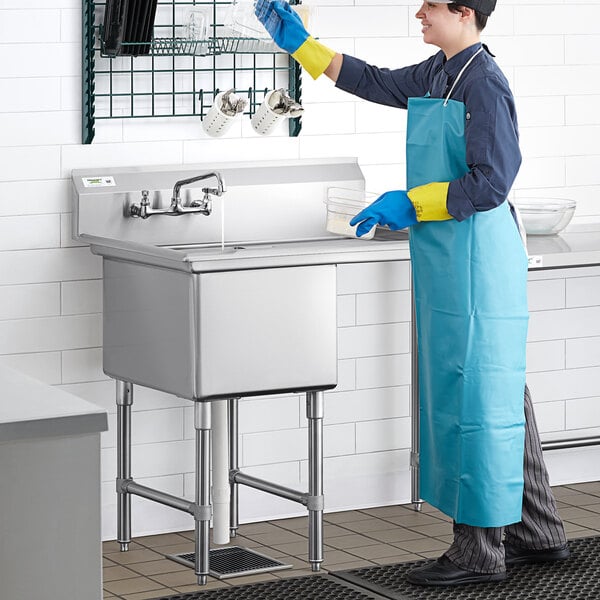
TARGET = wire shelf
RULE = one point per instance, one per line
(173, 76)
(182, 46)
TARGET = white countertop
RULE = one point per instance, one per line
(32, 409)
(578, 245)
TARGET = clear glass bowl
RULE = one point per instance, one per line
(542, 216)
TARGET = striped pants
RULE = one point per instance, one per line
(481, 549)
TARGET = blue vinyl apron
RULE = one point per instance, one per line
(469, 281)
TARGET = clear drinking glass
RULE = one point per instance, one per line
(240, 18)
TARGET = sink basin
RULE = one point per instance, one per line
(212, 250)
(204, 336)
(205, 322)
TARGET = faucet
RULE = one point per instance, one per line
(176, 208)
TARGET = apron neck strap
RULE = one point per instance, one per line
(460, 75)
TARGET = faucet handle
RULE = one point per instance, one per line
(141, 209)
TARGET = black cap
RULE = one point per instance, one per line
(485, 7)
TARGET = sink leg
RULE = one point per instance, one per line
(234, 503)
(415, 445)
(124, 395)
(202, 424)
(314, 413)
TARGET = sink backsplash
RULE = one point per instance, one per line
(263, 202)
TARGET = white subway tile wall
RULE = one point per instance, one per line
(50, 289)
(563, 358)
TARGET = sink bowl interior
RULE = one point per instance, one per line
(208, 250)
(233, 247)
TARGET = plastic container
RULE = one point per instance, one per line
(542, 216)
(342, 205)
(197, 28)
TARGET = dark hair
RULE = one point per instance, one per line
(480, 19)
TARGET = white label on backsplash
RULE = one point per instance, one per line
(535, 261)
(102, 181)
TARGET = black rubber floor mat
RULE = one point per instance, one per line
(577, 578)
(315, 587)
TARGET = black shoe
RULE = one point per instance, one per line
(444, 572)
(523, 556)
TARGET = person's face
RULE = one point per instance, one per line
(440, 26)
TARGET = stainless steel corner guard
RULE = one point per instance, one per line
(201, 507)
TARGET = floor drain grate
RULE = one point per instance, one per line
(312, 587)
(574, 579)
(233, 561)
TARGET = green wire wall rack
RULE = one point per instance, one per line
(174, 77)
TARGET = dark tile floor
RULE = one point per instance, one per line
(355, 538)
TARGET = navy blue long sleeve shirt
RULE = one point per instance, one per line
(491, 131)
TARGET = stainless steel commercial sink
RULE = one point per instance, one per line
(236, 299)
(235, 303)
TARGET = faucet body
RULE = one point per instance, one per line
(176, 208)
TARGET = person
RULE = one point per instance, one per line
(480, 458)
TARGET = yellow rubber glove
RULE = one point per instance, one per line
(314, 56)
(430, 201)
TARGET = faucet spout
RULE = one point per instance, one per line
(218, 191)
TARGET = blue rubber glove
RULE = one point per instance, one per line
(283, 24)
(393, 209)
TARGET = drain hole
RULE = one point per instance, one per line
(232, 562)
